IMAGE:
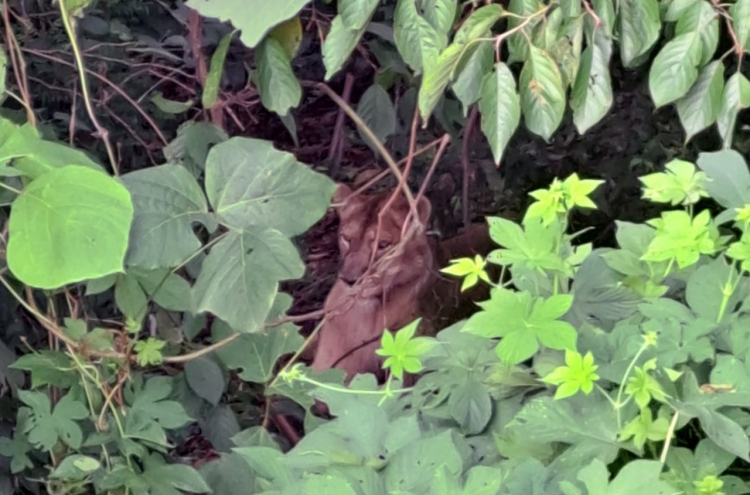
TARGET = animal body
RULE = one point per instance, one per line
(388, 277)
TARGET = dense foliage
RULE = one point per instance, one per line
(590, 370)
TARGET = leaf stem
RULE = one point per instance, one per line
(103, 133)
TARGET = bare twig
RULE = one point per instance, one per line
(337, 141)
(468, 132)
(19, 65)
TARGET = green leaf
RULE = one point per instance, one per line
(471, 407)
(376, 109)
(191, 145)
(418, 41)
(255, 355)
(355, 14)
(250, 183)
(736, 97)
(205, 379)
(228, 475)
(67, 226)
(565, 49)
(635, 478)
(440, 13)
(542, 94)
(523, 323)
(518, 44)
(48, 368)
(149, 351)
(254, 22)
(470, 74)
(579, 373)
(740, 12)
(45, 427)
(704, 291)
(213, 78)
(75, 468)
(130, 298)
(643, 427)
(500, 108)
(681, 336)
(639, 29)
(682, 238)
(699, 108)
(164, 478)
(478, 24)
(591, 97)
(676, 8)
(675, 69)
(729, 178)
(412, 467)
(701, 18)
(171, 107)
(278, 86)
(680, 183)
(240, 276)
(167, 201)
(437, 76)
(339, 45)
(151, 411)
(34, 156)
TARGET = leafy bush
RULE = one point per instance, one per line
(587, 371)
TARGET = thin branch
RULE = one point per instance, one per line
(101, 130)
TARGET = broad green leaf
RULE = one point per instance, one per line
(413, 467)
(151, 410)
(213, 78)
(740, 12)
(675, 69)
(500, 109)
(75, 467)
(681, 336)
(240, 276)
(704, 291)
(518, 44)
(736, 97)
(289, 35)
(417, 40)
(167, 289)
(440, 13)
(69, 225)
(130, 298)
(542, 94)
(639, 29)
(228, 475)
(47, 368)
(436, 78)
(255, 355)
(255, 21)
(250, 183)
(165, 478)
(676, 8)
(205, 378)
(478, 24)
(566, 49)
(34, 156)
(376, 110)
(355, 14)
(46, 426)
(191, 145)
(278, 86)
(470, 73)
(635, 478)
(591, 97)
(471, 406)
(167, 201)
(729, 183)
(338, 45)
(605, 10)
(699, 108)
(701, 18)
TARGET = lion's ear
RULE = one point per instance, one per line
(342, 192)
(424, 209)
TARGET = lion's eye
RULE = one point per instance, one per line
(384, 244)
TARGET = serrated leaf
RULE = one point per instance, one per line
(639, 29)
(167, 200)
(355, 14)
(278, 86)
(736, 97)
(339, 45)
(542, 94)
(251, 184)
(240, 276)
(675, 69)
(416, 39)
(500, 109)
(69, 225)
(478, 23)
(591, 97)
(216, 70)
(254, 22)
(440, 13)
(676, 8)
(436, 78)
(701, 18)
(376, 110)
(699, 108)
